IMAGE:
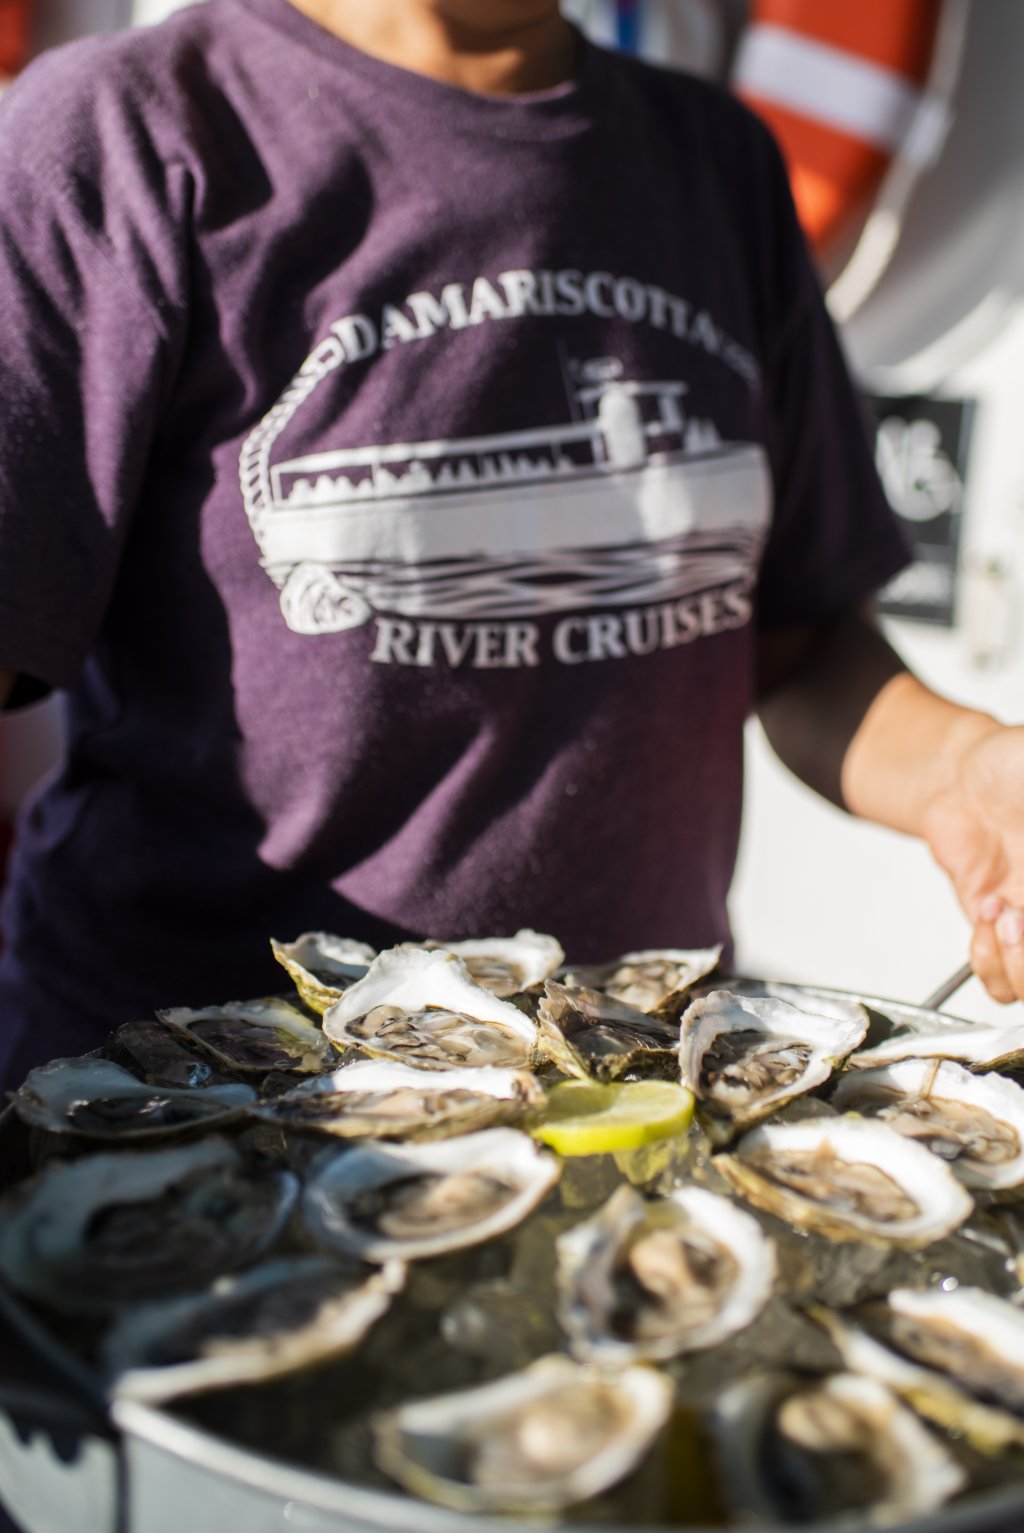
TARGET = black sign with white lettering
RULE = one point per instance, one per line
(922, 450)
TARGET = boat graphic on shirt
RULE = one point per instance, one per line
(631, 501)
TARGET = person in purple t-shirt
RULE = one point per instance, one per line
(423, 444)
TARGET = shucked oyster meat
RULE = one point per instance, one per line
(406, 1201)
(976, 1122)
(422, 1008)
(255, 1036)
(652, 980)
(379, 1099)
(742, 1056)
(654, 1278)
(848, 1178)
(589, 1035)
(271, 1320)
(98, 1100)
(535, 1441)
(87, 1235)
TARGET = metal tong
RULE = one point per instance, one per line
(948, 988)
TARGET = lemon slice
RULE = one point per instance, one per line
(584, 1118)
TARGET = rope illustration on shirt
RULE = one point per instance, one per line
(629, 503)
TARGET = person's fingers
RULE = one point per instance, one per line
(1010, 935)
(987, 963)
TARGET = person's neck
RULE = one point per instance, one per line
(525, 54)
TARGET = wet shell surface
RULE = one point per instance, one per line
(155, 1053)
(743, 1056)
(975, 1122)
(848, 1178)
(322, 966)
(99, 1100)
(652, 979)
(381, 1202)
(649, 1279)
(592, 1036)
(255, 1036)
(540, 1440)
(422, 1008)
(793, 1452)
(87, 1235)
(379, 1099)
(507, 965)
(278, 1317)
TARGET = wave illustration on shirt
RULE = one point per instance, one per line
(632, 502)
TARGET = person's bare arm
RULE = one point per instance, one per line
(843, 712)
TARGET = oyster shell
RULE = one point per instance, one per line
(96, 1099)
(421, 1007)
(980, 1045)
(654, 979)
(848, 1178)
(539, 1440)
(587, 1034)
(939, 1399)
(507, 965)
(407, 1201)
(976, 1122)
(86, 1235)
(322, 966)
(975, 1337)
(379, 1099)
(650, 1279)
(742, 1056)
(272, 1320)
(152, 1052)
(844, 1446)
(255, 1036)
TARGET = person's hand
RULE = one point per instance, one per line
(975, 829)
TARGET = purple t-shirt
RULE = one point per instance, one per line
(395, 477)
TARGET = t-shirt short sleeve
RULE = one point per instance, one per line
(81, 366)
(834, 540)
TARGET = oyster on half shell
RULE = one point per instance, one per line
(974, 1336)
(406, 1201)
(539, 1440)
(587, 1034)
(422, 1008)
(255, 1037)
(976, 1122)
(652, 980)
(85, 1236)
(841, 1447)
(271, 1320)
(848, 1178)
(933, 1395)
(322, 966)
(379, 1099)
(742, 1056)
(98, 1100)
(155, 1053)
(651, 1279)
(506, 965)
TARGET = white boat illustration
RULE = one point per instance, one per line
(632, 501)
